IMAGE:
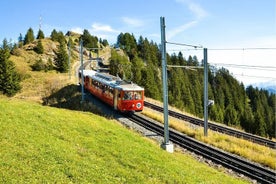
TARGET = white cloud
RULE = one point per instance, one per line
(177, 30)
(98, 27)
(77, 30)
(100, 30)
(195, 8)
(133, 22)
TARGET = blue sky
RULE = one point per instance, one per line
(210, 23)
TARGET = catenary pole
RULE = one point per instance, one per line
(205, 92)
(164, 77)
(69, 55)
(82, 79)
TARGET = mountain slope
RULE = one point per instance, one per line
(49, 145)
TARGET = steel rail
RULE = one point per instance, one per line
(215, 127)
(237, 164)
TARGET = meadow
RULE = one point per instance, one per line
(41, 144)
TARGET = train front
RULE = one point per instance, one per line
(132, 98)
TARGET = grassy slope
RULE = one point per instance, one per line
(254, 152)
(43, 144)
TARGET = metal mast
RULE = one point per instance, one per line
(205, 92)
(166, 145)
(82, 79)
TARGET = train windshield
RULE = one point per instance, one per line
(133, 95)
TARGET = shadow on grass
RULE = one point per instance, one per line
(69, 97)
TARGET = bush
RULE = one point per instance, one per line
(39, 48)
(38, 65)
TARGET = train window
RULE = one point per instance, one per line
(119, 95)
(127, 95)
(137, 95)
(132, 95)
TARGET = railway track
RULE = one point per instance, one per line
(238, 164)
(215, 127)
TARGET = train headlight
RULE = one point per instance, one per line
(138, 105)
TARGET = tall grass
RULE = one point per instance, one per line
(254, 152)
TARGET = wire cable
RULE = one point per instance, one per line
(267, 68)
(254, 76)
(256, 48)
(186, 45)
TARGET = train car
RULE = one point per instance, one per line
(119, 94)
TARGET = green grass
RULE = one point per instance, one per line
(49, 145)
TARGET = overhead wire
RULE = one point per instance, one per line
(254, 76)
(267, 68)
(186, 45)
(250, 67)
(248, 48)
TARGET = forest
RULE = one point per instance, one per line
(247, 108)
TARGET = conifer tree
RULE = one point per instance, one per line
(9, 78)
(20, 41)
(49, 64)
(39, 49)
(61, 59)
(119, 65)
(128, 43)
(58, 37)
(38, 65)
(54, 35)
(40, 34)
(29, 37)
(137, 67)
(89, 41)
(105, 42)
(148, 81)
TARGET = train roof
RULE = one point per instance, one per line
(88, 72)
(113, 81)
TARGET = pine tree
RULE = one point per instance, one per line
(175, 88)
(29, 37)
(61, 59)
(128, 43)
(231, 115)
(9, 78)
(39, 49)
(20, 41)
(89, 41)
(149, 83)
(49, 64)
(38, 65)
(119, 65)
(105, 42)
(40, 34)
(137, 67)
(54, 35)
(58, 37)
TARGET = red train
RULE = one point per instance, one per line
(119, 94)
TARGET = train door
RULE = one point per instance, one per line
(115, 98)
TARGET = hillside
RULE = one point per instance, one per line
(49, 145)
(43, 144)
(37, 85)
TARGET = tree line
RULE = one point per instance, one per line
(249, 108)
(10, 79)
